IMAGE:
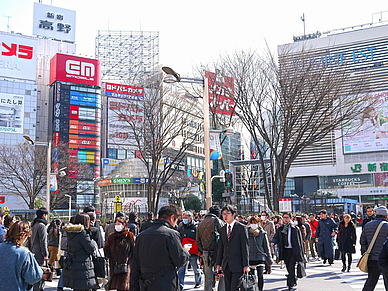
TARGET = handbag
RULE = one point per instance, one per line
(119, 269)
(337, 254)
(101, 269)
(300, 270)
(47, 273)
(363, 262)
(248, 282)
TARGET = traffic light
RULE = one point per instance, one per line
(228, 181)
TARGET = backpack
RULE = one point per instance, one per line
(214, 242)
(194, 247)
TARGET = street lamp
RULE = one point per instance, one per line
(173, 77)
(359, 195)
(48, 145)
(69, 196)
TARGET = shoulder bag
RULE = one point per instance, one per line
(248, 282)
(363, 262)
(119, 269)
(47, 272)
(101, 268)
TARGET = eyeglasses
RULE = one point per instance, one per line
(226, 214)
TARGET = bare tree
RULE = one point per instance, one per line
(23, 171)
(159, 130)
(289, 107)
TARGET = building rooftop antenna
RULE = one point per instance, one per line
(304, 24)
(8, 22)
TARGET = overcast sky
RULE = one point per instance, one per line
(195, 32)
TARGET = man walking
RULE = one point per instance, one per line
(188, 232)
(366, 238)
(39, 241)
(269, 227)
(208, 232)
(232, 253)
(291, 250)
(158, 254)
(368, 217)
(148, 223)
(324, 235)
(313, 243)
(308, 235)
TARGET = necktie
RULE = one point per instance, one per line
(229, 230)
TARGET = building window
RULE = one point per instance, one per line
(112, 153)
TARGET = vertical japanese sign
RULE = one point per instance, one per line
(221, 94)
(54, 22)
(11, 113)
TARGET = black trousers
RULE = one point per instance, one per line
(373, 276)
(231, 279)
(290, 261)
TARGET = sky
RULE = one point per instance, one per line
(192, 33)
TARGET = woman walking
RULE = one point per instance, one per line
(259, 251)
(78, 272)
(53, 241)
(19, 269)
(346, 239)
(119, 249)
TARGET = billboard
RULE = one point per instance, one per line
(215, 146)
(75, 69)
(124, 91)
(343, 181)
(11, 113)
(221, 94)
(54, 22)
(370, 133)
(17, 57)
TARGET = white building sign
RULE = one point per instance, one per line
(17, 57)
(54, 22)
(11, 113)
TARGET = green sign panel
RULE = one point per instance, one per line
(377, 198)
(121, 181)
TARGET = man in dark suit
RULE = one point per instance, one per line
(289, 240)
(232, 255)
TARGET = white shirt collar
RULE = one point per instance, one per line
(231, 226)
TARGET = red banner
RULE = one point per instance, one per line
(221, 94)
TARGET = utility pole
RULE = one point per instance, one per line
(304, 25)
(8, 22)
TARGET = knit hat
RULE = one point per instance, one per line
(381, 210)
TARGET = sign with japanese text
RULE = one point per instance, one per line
(17, 57)
(54, 22)
(11, 113)
(221, 94)
(124, 91)
(73, 69)
(285, 205)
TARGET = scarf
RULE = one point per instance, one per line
(286, 226)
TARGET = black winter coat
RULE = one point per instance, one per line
(158, 252)
(296, 242)
(258, 246)
(80, 273)
(325, 241)
(367, 235)
(346, 238)
(383, 258)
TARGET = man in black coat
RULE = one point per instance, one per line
(148, 223)
(290, 244)
(158, 254)
(368, 217)
(232, 254)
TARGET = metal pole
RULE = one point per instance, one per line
(69, 208)
(48, 176)
(207, 142)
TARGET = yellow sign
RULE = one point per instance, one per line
(117, 206)
(118, 198)
(6, 208)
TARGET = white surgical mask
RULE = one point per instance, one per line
(263, 218)
(119, 227)
(185, 220)
(253, 226)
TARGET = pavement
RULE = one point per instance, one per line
(319, 277)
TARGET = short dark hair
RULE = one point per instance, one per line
(266, 213)
(231, 208)
(2, 212)
(41, 211)
(150, 215)
(312, 214)
(369, 207)
(215, 209)
(323, 211)
(304, 215)
(89, 208)
(287, 213)
(7, 220)
(132, 216)
(82, 219)
(166, 211)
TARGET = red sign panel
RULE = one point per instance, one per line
(221, 94)
(75, 69)
(74, 111)
(2, 199)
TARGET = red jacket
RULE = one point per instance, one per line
(313, 226)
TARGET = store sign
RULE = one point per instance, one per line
(285, 205)
(221, 94)
(17, 57)
(2, 199)
(348, 180)
(11, 113)
(74, 69)
(54, 22)
(124, 91)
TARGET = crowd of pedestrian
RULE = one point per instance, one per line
(154, 254)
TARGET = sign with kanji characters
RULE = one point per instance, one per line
(124, 91)
(221, 93)
(17, 56)
(118, 206)
(11, 113)
(54, 22)
(285, 205)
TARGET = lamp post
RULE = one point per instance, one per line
(48, 144)
(173, 77)
(69, 196)
(359, 194)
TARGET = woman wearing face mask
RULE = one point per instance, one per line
(259, 252)
(119, 249)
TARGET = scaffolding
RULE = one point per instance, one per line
(127, 57)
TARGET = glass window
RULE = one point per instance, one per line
(121, 154)
(112, 153)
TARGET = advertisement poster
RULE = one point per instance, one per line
(370, 133)
(11, 113)
(221, 93)
(215, 147)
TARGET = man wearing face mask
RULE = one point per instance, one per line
(269, 228)
(158, 254)
(188, 232)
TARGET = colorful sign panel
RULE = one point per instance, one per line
(73, 69)
(122, 181)
(17, 57)
(381, 179)
(11, 113)
(221, 94)
(215, 147)
(370, 134)
(124, 91)
(54, 22)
